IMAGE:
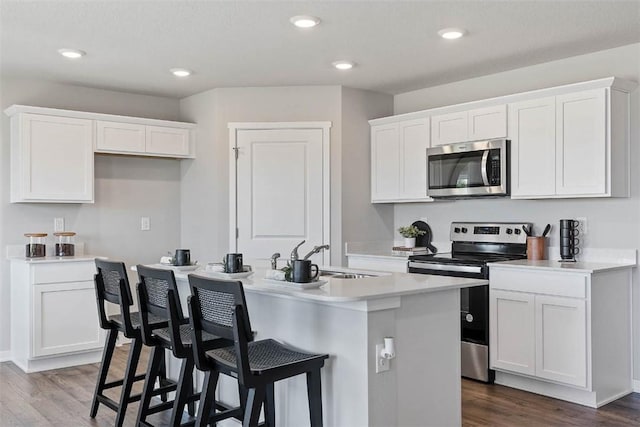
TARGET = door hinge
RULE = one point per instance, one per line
(235, 149)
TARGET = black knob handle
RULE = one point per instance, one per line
(517, 231)
(456, 230)
(509, 231)
(464, 230)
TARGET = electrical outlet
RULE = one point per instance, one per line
(144, 223)
(382, 364)
(584, 226)
(58, 224)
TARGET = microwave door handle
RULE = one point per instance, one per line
(483, 167)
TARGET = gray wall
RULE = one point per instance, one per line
(126, 188)
(362, 221)
(205, 180)
(612, 223)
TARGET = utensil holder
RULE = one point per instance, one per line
(536, 248)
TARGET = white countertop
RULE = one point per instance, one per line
(345, 290)
(555, 265)
(54, 259)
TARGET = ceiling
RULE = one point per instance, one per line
(132, 44)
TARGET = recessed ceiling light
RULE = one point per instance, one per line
(72, 53)
(343, 65)
(180, 72)
(304, 21)
(451, 33)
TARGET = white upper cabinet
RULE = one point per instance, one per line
(570, 145)
(532, 131)
(471, 125)
(168, 141)
(51, 159)
(119, 137)
(399, 161)
(582, 143)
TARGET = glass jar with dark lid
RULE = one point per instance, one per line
(36, 247)
(65, 243)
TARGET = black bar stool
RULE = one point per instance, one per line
(112, 286)
(158, 296)
(218, 307)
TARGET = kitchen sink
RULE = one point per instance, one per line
(344, 275)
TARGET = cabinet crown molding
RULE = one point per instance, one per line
(17, 109)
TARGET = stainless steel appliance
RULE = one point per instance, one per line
(474, 245)
(469, 169)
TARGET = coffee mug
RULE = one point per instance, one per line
(183, 257)
(569, 223)
(233, 263)
(301, 271)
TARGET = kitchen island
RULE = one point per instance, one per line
(347, 318)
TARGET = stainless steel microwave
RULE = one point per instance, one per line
(469, 169)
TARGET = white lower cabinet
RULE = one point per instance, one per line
(554, 332)
(54, 316)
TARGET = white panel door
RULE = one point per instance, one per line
(532, 131)
(512, 337)
(57, 158)
(385, 162)
(167, 141)
(65, 319)
(488, 123)
(561, 340)
(449, 128)
(120, 137)
(279, 191)
(581, 143)
(414, 141)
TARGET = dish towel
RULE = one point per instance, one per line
(275, 275)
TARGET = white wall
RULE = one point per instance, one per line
(126, 188)
(613, 223)
(205, 180)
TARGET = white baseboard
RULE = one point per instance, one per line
(636, 386)
(5, 356)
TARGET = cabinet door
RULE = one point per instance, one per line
(561, 340)
(167, 141)
(385, 162)
(120, 137)
(65, 319)
(581, 143)
(488, 123)
(449, 128)
(512, 337)
(414, 141)
(56, 160)
(532, 131)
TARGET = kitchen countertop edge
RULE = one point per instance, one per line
(554, 265)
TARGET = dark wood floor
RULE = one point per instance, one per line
(63, 397)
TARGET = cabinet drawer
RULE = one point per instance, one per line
(64, 272)
(559, 284)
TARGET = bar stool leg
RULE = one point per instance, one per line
(183, 392)
(107, 353)
(129, 376)
(254, 404)
(149, 383)
(163, 376)
(207, 398)
(314, 394)
(270, 407)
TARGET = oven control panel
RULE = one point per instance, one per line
(504, 232)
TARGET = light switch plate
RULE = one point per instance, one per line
(382, 364)
(145, 223)
(58, 224)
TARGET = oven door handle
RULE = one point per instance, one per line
(445, 267)
(483, 168)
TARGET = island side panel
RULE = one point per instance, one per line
(320, 328)
(428, 360)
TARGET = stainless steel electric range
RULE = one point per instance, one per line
(473, 246)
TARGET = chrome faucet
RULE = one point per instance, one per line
(315, 250)
(294, 253)
(274, 260)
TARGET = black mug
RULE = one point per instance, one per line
(301, 271)
(183, 257)
(233, 263)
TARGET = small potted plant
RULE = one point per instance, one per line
(410, 232)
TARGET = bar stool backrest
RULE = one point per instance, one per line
(158, 296)
(219, 308)
(112, 285)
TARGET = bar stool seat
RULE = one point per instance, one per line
(135, 320)
(164, 334)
